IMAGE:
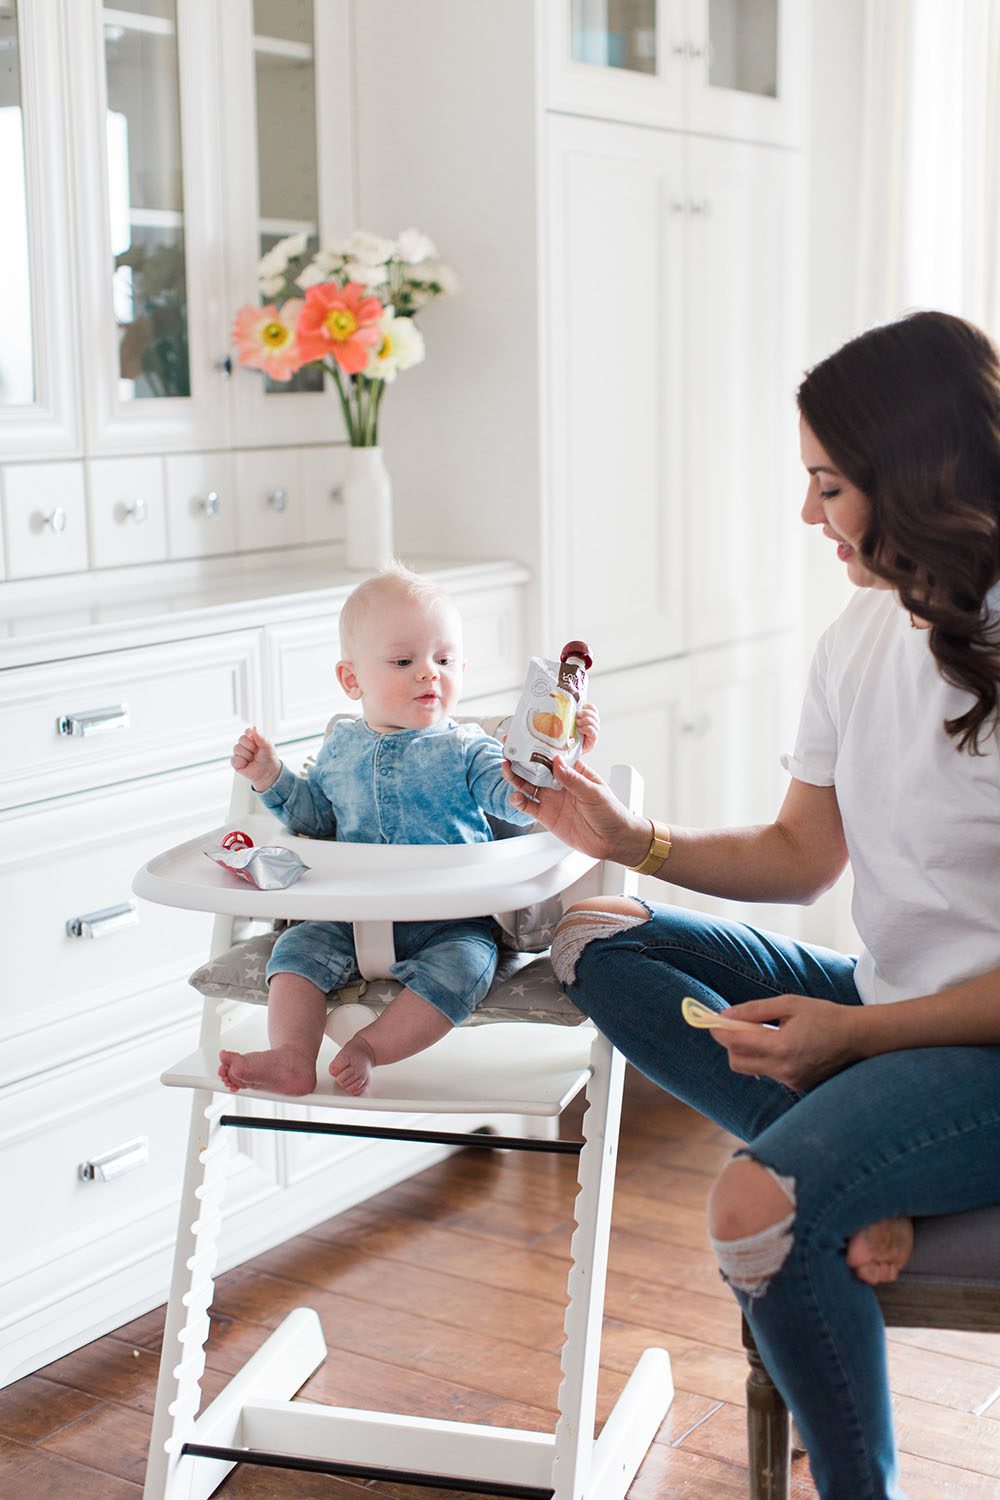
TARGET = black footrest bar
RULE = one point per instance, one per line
(483, 1139)
(362, 1471)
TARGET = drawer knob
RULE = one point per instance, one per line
(210, 503)
(337, 494)
(94, 720)
(116, 1163)
(54, 519)
(95, 924)
(278, 500)
(138, 511)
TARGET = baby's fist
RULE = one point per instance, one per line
(588, 727)
(256, 758)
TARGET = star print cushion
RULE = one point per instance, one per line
(525, 988)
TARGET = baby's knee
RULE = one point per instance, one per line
(597, 917)
(751, 1214)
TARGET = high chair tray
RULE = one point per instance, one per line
(366, 882)
(519, 1068)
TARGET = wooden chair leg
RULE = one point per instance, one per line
(767, 1429)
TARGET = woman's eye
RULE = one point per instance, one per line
(828, 494)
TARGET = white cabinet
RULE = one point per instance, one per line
(724, 67)
(115, 738)
(705, 731)
(625, 410)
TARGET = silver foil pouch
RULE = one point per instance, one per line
(269, 867)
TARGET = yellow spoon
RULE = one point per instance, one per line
(697, 1014)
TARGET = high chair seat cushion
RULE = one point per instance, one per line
(524, 989)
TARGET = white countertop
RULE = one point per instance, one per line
(55, 618)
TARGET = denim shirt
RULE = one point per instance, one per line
(414, 786)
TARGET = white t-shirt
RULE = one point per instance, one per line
(921, 817)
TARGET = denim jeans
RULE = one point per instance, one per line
(450, 964)
(914, 1132)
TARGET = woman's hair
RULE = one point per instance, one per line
(392, 582)
(910, 414)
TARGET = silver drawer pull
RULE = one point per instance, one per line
(95, 924)
(210, 504)
(94, 720)
(278, 500)
(116, 1163)
(54, 519)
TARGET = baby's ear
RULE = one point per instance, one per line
(348, 680)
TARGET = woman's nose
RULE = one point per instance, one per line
(812, 509)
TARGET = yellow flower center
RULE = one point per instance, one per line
(385, 350)
(340, 324)
(274, 335)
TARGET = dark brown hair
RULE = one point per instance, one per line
(910, 414)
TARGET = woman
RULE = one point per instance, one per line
(868, 1089)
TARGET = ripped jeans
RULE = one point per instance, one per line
(915, 1132)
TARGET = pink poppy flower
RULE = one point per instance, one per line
(340, 323)
(265, 338)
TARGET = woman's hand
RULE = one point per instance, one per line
(256, 758)
(800, 1042)
(584, 812)
(588, 727)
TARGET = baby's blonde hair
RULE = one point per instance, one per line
(396, 581)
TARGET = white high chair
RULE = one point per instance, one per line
(511, 1068)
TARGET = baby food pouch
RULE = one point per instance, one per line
(544, 721)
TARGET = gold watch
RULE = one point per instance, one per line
(658, 852)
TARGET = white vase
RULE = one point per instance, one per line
(367, 510)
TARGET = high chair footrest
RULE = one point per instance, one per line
(485, 1140)
(364, 1471)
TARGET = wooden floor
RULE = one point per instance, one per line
(444, 1296)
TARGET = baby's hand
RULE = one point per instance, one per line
(256, 758)
(588, 727)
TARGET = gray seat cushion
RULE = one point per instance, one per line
(525, 988)
(957, 1247)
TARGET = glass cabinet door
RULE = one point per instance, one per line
(145, 179)
(38, 382)
(288, 172)
(747, 61)
(145, 107)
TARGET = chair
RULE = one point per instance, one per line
(516, 1069)
(952, 1281)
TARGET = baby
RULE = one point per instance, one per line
(402, 773)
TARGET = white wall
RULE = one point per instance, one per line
(834, 172)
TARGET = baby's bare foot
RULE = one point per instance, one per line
(280, 1070)
(352, 1066)
(880, 1251)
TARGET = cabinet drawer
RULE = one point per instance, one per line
(51, 1128)
(493, 621)
(75, 860)
(173, 705)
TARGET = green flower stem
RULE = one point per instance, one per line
(344, 401)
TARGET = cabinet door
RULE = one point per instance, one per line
(155, 327)
(288, 170)
(612, 571)
(38, 376)
(746, 68)
(618, 59)
(743, 341)
(739, 712)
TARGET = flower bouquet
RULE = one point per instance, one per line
(347, 309)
